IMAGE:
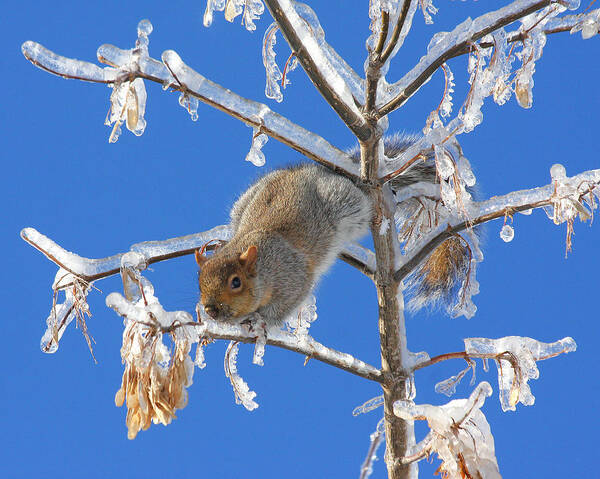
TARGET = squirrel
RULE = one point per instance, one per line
(289, 227)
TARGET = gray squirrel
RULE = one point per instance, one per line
(289, 227)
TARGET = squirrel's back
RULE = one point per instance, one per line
(311, 207)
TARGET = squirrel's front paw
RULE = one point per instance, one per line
(253, 323)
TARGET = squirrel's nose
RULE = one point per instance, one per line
(211, 310)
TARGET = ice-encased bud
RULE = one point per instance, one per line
(507, 233)
(144, 28)
(558, 172)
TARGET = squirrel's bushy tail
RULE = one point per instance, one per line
(437, 280)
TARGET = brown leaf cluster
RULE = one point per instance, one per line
(153, 392)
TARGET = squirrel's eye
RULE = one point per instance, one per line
(236, 282)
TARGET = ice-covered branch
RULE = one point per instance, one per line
(377, 438)
(569, 197)
(307, 41)
(515, 358)
(90, 269)
(304, 345)
(195, 85)
(381, 49)
(446, 45)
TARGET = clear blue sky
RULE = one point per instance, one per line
(62, 177)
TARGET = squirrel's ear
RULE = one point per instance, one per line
(248, 258)
(200, 258)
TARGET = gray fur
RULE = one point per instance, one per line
(299, 218)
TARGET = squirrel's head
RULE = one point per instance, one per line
(227, 283)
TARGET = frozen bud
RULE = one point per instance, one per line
(144, 27)
(558, 172)
(507, 233)
(523, 93)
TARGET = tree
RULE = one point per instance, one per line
(363, 129)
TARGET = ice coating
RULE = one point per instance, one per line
(78, 265)
(212, 6)
(300, 320)
(468, 31)
(368, 406)
(517, 364)
(448, 386)
(190, 104)
(313, 42)
(303, 344)
(260, 327)
(251, 10)
(199, 361)
(68, 67)
(361, 253)
(393, 8)
(453, 429)
(55, 328)
(573, 187)
(428, 9)
(88, 269)
(128, 99)
(273, 73)
(255, 155)
(243, 394)
(533, 46)
(588, 24)
(256, 114)
(354, 82)
(507, 233)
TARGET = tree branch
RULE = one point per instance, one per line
(89, 270)
(250, 112)
(306, 346)
(459, 41)
(496, 207)
(305, 45)
(555, 25)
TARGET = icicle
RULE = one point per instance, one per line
(368, 406)
(507, 233)
(274, 75)
(243, 394)
(190, 103)
(261, 341)
(255, 155)
(212, 6)
(428, 10)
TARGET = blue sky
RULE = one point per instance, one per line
(62, 177)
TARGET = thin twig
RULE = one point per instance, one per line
(397, 30)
